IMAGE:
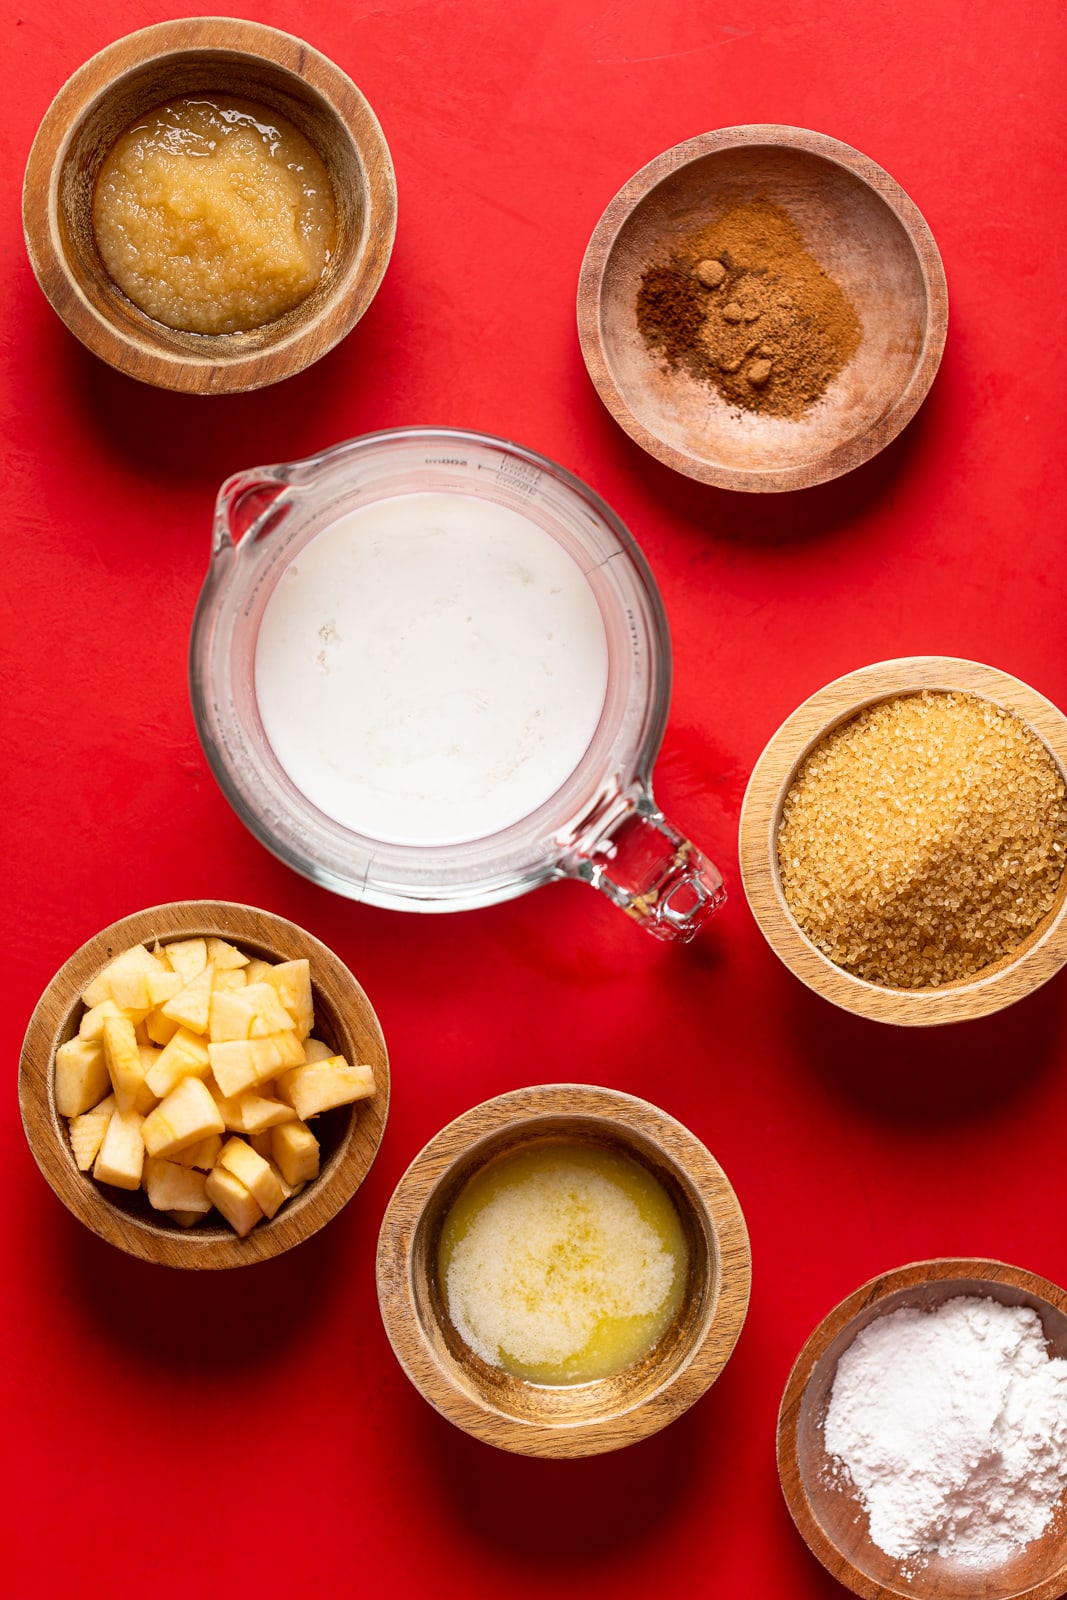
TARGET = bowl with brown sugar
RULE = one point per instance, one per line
(209, 204)
(762, 308)
(903, 839)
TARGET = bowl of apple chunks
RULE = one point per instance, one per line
(204, 1084)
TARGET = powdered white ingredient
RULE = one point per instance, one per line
(953, 1426)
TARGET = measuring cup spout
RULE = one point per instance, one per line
(246, 506)
(651, 871)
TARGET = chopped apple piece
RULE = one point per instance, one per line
(295, 1151)
(123, 1057)
(160, 1029)
(289, 1048)
(187, 957)
(82, 1078)
(292, 982)
(225, 956)
(170, 1187)
(254, 1113)
(316, 1050)
(92, 1023)
(128, 981)
(269, 1015)
(191, 1005)
(202, 1155)
(256, 970)
(187, 1115)
(239, 1064)
(228, 979)
(121, 1156)
(240, 1159)
(237, 1205)
(87, 1132)
(185, 1056)
(323, 1085)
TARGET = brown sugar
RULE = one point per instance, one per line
(744, 306)
(923, 839)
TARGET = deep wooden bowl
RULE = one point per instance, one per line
(859, 225)
(197, 55)
(583, 1419)
(1033, 961)
(349, 1136)
(824, 1504)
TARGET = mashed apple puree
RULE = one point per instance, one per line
(214, 215)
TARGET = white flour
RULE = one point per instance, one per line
(953, 1426)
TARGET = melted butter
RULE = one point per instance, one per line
(562, 1264)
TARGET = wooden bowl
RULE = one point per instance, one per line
(197, 55)
(349, 1136)
(859, 225)
(824, 1504)
(1001, 983)
(580, 1419)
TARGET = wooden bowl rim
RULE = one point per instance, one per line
(841, 458)
(621, 1114)
(1036, 959)
(942, 1269)
(180, 368)
(298, 1219)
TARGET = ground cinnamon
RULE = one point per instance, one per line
(745, 306)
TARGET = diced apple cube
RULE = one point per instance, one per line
(290, 1049)
(323, 1085)
(123, 1057)
(87, 1132)
(121, 1155)
(316, 1050)
(81, 1079)
(255, 1173)
(191, 1006)
(187, 957)
(292, 982)
(229, 978)
(239, 1064)
(170, 1187)
(269, 1015)
(160, 1029)
(225, 956)
(92, 1022)
(253, 1113)
(184, 1056)
(256, 970)
(202, 1155)
(187, 1115)
(237, 1205)
(295, 1151)
(126, 981)
(231, 1016)
(188, 1219)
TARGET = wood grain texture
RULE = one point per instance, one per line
(198, 55)
(1035, 960)
(585, 1419)
(349, 1136)
(859, 225)
(824, 1504)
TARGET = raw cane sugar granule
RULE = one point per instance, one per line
(923, 839)
(952, 1425)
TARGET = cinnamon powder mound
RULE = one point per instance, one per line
(745, 306)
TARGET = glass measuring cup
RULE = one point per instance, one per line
(602, 825)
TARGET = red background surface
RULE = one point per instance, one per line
(168, 1434)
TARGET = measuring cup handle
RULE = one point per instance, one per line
(652, 872)
(244, 504)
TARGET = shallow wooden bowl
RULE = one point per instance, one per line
(583, 1419)
(859, 225)
(197, 55)
(1033, 961)
(349, 1136)
(824, 1504)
